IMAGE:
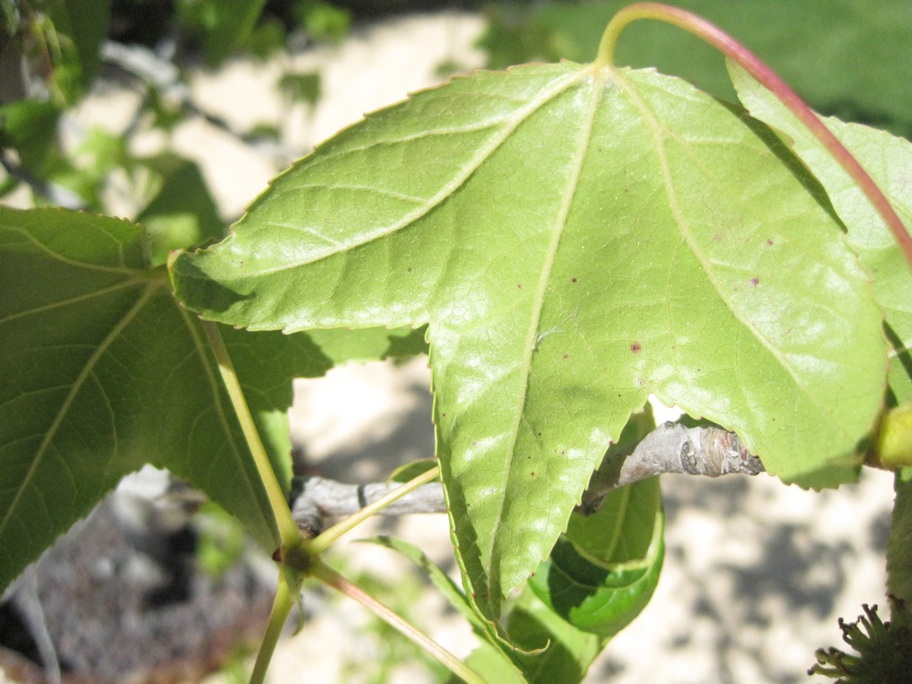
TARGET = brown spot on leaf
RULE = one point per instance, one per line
(755, 281)
(636, 347)
(572, 280)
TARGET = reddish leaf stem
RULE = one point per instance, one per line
(765, 76)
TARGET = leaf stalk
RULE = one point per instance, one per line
(899, 553)
(289, 536)
(337, 581)
(287, 590)
(322, 542)
(748, 61)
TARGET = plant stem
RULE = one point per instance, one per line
(337, 581)
(289, 536)
(899, 554)
(284, 599)
(765, 76)
(322, 542)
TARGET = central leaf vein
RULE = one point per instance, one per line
(496, 542)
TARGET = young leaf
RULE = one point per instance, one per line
(887, 159)
(103, 372)
(602, 573)
(563, 652)
(576, 238)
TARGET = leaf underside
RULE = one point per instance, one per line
(888, 160)
(576, 238)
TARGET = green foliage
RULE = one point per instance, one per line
(603, 572)
(223, 25)
(221, 540)
(30, 127)
(614, 233)
(881, 154)
(564, 240)
(86, 332)
(899, 555)
(323, 20)
(301, 87)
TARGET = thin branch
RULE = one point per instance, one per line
(328, 537)
(314, 499)
(54, 193)
(152, 70)
(286, 528)
(670, 448)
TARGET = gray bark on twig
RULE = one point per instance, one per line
(670, 448)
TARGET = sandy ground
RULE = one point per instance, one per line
(756, 573)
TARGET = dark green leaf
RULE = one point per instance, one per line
(556, 651)
(102, 371)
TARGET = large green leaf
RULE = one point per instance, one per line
(102, 371)
(887, 159)
(576, 238)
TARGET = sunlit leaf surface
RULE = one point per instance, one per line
(888, 160)
(576, 238)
